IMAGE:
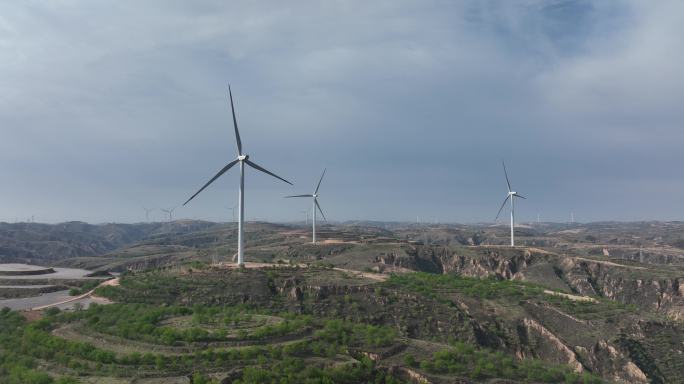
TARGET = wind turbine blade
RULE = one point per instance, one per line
(502, 206)
(299, 196)
(520, 196)
(319, 181)
(319, 209)
(237, 133)
(506, 173)
(255, 166)
(221, 172)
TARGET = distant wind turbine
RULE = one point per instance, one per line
(232, 211)
(511, 195)
(243, 159)
(169, 211)
(315, 206)
(306, 216)
(147, 213)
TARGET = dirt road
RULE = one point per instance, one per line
(91, 293)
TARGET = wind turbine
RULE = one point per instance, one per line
(147, 213)
(243, 159)
(511, 195)
(315, 206)
(169, 211)
(306, 216)
(232, 211)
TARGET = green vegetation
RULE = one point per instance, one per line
(140, 322)
(294, 371)
(15, 366)
(26, 343)
(84, 288)
(290, 323)
(505, 292)
(602, 309)
(465, 360)
(338, 332)
(283, 363)
(430, 285)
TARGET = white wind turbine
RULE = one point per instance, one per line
(243, 159)
(232, 212)
(306, 216)
(169, 211)
(511, 195)
(147, 213)
(315, 206)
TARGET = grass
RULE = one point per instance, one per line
(465, 360)
(329, 345)
(505, 292)
(433, 286)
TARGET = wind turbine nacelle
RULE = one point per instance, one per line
(243, 157)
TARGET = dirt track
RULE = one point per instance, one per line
(91, 293)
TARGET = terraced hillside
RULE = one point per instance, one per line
(395, 304)
(273, 323)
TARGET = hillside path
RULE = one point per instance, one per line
(91, 293)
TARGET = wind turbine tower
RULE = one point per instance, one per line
(511, 195)
(169, 212)
(232, 211)
(306, 216)
(315, 206)
(243, 159)
(147, 214)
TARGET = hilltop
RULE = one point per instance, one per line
(397, 302)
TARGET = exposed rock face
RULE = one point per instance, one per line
(415, 258)
(550, 347)
(634, 374)
(600, 279)
(409, 375)
(645, 352)
(659, 255)
(583, 276)
(610, 362)
(495, 264)
(295, 294)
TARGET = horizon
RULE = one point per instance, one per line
(350, 222)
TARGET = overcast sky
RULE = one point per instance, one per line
(109, 106)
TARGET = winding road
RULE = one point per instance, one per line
(91, 294)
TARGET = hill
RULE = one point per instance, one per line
(600, 302)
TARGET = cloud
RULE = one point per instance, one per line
(110, 106)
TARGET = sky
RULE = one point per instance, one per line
(107, 107)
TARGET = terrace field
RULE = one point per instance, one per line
(397, 304)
